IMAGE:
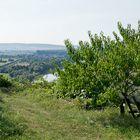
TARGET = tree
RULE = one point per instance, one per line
(103, 68)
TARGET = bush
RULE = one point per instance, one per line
(5, 82)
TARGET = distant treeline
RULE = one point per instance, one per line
(28, 67)
(52, 53)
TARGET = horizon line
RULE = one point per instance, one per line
(31, 43)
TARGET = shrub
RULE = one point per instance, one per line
(5, 82)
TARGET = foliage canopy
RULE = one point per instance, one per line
(97, 72)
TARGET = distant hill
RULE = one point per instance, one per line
(29, 47)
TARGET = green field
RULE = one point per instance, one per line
(35, 115)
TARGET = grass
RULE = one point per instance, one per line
(35, 115)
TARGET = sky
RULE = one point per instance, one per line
(53, 21)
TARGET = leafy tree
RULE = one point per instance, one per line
(103, 68)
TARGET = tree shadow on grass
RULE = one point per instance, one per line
(7, 91)
(124, 123)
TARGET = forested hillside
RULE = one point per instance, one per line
(29, 66)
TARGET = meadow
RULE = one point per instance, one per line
(35, 114)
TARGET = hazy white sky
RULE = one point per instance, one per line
(53, 21)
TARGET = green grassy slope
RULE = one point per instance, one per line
(34, 115)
